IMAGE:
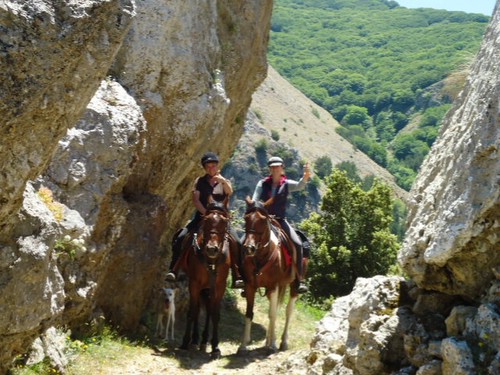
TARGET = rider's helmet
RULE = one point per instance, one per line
(275, 161)
(208, 158)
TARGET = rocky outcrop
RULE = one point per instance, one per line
(53, 60)
(86, 218)
(390, 326)
(57, 260)
(192, 66)
(452, 244)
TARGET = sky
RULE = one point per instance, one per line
(469, 6)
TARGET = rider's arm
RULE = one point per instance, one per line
(301, 184)
(196, 199)
(226, 185)
(257, 192)
(296, 185)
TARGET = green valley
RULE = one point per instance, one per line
(388, 74)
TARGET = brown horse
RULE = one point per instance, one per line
(206, 262)
(267, 264)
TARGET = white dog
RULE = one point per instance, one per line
(166, 308)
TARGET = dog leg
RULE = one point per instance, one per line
(159, 325)
(173, 323)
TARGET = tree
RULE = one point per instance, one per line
(357, 115)
(410, 151)
(352, 236)
(323, 166)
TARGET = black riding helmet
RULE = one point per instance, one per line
(209, 157)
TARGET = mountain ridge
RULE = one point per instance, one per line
(284, 110)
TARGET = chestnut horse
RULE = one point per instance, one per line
(268, 265)
(206, 262)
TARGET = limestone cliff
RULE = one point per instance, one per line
(107, 107)
(453, 241)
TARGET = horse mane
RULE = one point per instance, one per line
(214, 205)
(217, 206)
(257, 206)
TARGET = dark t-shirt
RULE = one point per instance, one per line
(203, 186)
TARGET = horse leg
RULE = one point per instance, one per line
(273, 311)
(289, 313)
(215, 308)
(250, 297)
(187, 333)
(195, 338)
(191, 335)
(204, 336)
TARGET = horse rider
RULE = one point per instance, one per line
(215, 185)
(275, 189)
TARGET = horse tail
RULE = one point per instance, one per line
(281, 294)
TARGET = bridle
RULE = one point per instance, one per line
(211, 251)
(262, 233)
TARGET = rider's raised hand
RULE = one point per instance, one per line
(307, 172)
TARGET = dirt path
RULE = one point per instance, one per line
(173, 361)
(160, 357)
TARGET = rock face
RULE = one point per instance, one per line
(95, 171)
(193, 67)
(453, 241)
(53, 60)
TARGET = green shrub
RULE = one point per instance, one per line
(275, 135)
(352, 236)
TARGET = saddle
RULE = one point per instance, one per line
(286, 244)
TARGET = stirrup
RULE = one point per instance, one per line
(171, 277)
(238, 284)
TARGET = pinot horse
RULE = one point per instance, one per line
(267, 264)
(206, 262)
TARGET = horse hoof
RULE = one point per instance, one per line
(203, 348)
(283, 346)
(215, 354)
(271, 350)
(242, 351)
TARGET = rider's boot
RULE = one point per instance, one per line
(235, 250)
(176, 255)
(171, 276)
(238, 282)
(301, 285)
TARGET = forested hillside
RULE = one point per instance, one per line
(388, 74)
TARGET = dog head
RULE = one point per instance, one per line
(167, 296)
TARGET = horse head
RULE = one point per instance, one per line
(214, 229)
(257, 229)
